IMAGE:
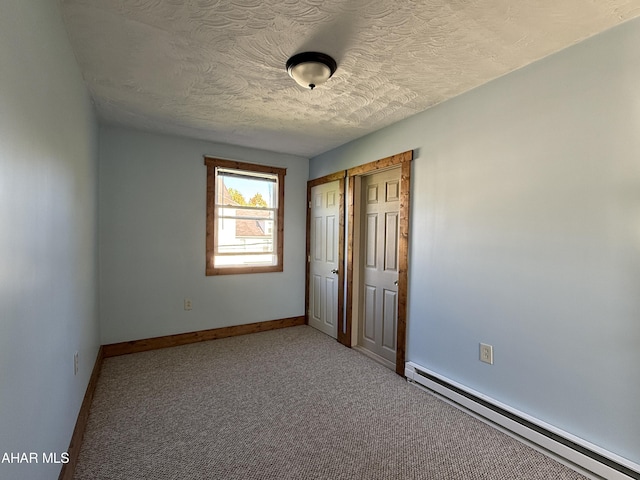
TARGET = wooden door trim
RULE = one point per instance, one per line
(340, 177)
(402, 160)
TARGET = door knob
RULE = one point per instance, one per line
(335, 270)
(396, 283)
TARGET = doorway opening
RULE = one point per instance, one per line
(377, 258)
(376, 229)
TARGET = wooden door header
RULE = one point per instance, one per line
(383, 163)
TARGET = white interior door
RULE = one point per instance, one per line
(379, 229)
(323, 262)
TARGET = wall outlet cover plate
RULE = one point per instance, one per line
(486, 353)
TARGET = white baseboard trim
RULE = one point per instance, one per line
(576, 451)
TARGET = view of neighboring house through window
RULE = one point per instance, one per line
(245, 215)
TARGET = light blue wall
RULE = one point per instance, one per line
(525, 234)
(152, 240)
(48, 236)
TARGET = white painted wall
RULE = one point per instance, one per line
(526, 235)
(48, 236)
(152, 240)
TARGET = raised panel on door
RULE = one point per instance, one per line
(317, 238)
(324, 258)
(316, 298)
(330, 289)
(371, 241)
(391, 241)
(369, 313)
(389, 319)
(330, 245)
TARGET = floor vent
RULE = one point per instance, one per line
(573, 450)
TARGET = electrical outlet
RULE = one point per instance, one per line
(486, 353)
(75, 363)
(187, 304)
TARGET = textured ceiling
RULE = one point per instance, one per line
(214, 69)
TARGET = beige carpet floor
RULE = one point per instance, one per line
(285, 404)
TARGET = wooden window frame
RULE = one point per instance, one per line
(211, 241)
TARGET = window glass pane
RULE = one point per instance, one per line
(242, 236)
(245, 241)
(241, 189)
(246, 236)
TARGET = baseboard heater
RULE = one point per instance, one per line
(564, 446)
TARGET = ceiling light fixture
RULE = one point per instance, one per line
(310, 69)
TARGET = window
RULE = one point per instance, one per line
(245, 217)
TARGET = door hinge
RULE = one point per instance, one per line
(309, 204)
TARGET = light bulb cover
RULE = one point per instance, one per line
(310, 69)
